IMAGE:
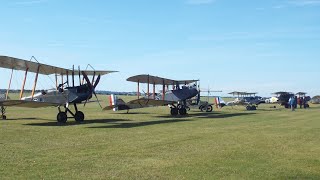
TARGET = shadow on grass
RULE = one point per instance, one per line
(132, 113)
(212, 115)
(140, 124)
(72, 122)
(17, 119)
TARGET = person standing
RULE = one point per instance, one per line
(291, 103)
(300, 102)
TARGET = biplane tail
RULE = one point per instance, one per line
(219, 102)
(115, 103)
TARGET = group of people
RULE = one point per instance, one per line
(294, 101)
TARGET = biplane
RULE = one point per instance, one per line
(249, 100)
(176, 98)
(283, 98)
(65, 93)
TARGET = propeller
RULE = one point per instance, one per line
(92, 87)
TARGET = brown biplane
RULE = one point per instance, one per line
(175, 98)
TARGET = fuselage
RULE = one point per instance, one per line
(75, 94)
(186, 92)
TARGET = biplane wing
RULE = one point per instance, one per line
(35, 67)
(119, 104)
(149, 102)
(145, 78)
(28, 104)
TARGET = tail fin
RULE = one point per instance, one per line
(219, 102)
(114, 103)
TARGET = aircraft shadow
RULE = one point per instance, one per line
(74, 123)
(141, 124)
(133, 113)
(212, 115)
(215, 115)
(18, 119)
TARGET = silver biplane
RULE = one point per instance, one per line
(249, 100)
(64, 95)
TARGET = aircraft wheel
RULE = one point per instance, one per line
(248, 108)
(209, 108)
(79, 116)
(253, 108)
(62, 117)
(183, 111)
(204, 108)
(174, 111)
(4, 117)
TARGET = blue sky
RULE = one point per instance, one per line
(245, 45)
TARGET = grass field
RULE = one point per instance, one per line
(150, 144)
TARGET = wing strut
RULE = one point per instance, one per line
(73, 76)
(163, 89)
(7, 94)
(154, 90)
(35, 82)
(138, 93)
(79, 75)
(24, 83)
(56, 78)
(148, 86)
(67, 74)
(62, 80)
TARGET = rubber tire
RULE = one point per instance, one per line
(62, 117)
(4, 117)
(209, 108)
(79, 116)
(253, 108)
(183, 111)
(174, 111)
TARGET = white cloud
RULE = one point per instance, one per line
(30, 2)
(199, 2)
(304, 2)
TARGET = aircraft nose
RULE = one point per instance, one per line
(195, 92)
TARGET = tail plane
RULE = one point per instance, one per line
(116, 104)
(219, 102)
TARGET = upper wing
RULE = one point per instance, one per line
(145, 78)
(93, 72)
(29, 104)
(20, 64)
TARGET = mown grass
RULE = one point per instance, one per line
(230, 143)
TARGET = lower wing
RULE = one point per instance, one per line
(28, 104)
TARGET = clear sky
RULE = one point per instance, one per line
(245, 45)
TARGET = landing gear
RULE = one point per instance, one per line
(251, 108)
(182, 110)
(79, 116)
(174, 111)
(62, 116)
(3, 112)
(206, 108)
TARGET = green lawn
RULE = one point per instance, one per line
(230, 143)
